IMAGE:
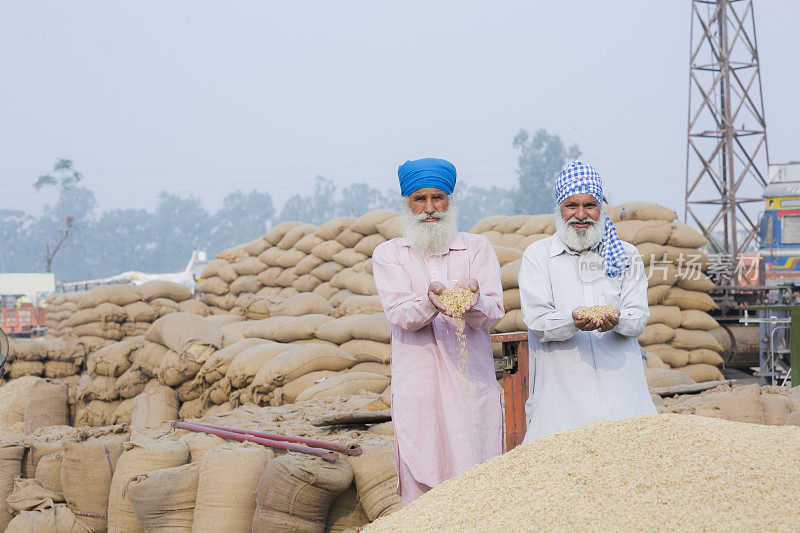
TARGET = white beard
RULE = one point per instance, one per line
(574, 241)
(431, 238)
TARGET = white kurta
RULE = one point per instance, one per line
(578, 377)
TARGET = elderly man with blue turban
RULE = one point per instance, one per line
(445, 399)
(583, 369)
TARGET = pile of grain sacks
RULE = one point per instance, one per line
(122, 478)
(52, 357)
(59, 307)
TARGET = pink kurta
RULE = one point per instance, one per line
(443, 425)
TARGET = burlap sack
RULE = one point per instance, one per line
(685, 236)
(368, 244)
(245, 366)
(511, 224)
(307, 264)
(155, 406)
(307, 243)
(391, 228)
(509, 274)
(639, 231)
(186, 333)
(97, 388)
(104, 330)
(645, 211)
(701, 372)
(776, 409)
(346, 383)
(226, 492)
(177, 368)
(658, 295)
(60, 369)
(47, 406)
(654, 361)
(349, 238)
(661, 274)
(295, 493)
(252, 266)
(376, 480)
(332, 228)
(113, 360)
(219, 392)
(692, 279)
(306, 283)
(256, 247)
(216, 366)
(10, 467)
(47, 518)
(289, 392)
(694, 319)
(96, 413)
(373, 368)
(300, 305)
(141, 454)
(294, 235)
(346, 513)
(132, 382)
(199, 444)
(116, 294)
(215, 285)
(164, 499)
(123, 414)
(690, 299)
(286, 278)
(704, 355)
(371, 328)
(48, 471)
(211, 268)
(656, 334)
(42, 442)
(286, 328)
(86, 472)
(651, 252)
(665, 314)
(149, 357)
(658, 377)
(17, 369)
(233, 254)
(245, 284)
(688, 339)
(670, 355)
(367, 223)
(289, 258)
(196, 307)
(105, 312)
(365, 350)
(225, 302)
(164, 289)
(298, 361)
(487, 224)
(327, 271)
(511, 321)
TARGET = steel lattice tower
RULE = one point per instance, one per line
(726, 152)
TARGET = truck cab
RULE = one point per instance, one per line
(779, 247)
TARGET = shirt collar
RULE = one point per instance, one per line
(456, 243)
(558, 247)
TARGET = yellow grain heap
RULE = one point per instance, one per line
(654, 472)
(456, 299)
(597, 311)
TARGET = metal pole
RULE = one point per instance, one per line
(347, 449)
(326, 455)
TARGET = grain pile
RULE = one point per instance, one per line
(631, 475)
(680, 334)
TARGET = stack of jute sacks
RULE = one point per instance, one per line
(59, 307)
(51, 357)
(677, 333)
(332, 261)
(135, 478)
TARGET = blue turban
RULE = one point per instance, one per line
(582, 178)
(428, 172)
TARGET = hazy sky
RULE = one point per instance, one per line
(205, 98)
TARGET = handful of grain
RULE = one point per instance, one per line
(597, 311)
(456, 299)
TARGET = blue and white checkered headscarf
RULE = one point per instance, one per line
(580, 178)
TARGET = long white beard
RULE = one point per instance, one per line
(574, 241)
(432, 238)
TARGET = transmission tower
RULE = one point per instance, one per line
(726, 152)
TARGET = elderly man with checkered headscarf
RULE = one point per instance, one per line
(583, 369)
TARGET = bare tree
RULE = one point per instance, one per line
(63, 177)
